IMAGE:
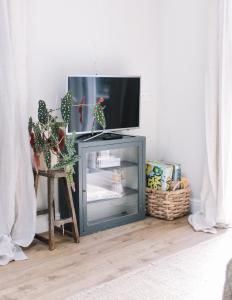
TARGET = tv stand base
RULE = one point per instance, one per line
(101, 135)
(111, 136)
(94, 136)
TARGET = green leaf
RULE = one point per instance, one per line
(38, 138)
(70, 141)
(69, 176)
(54, 135)
(47, 155)
(66, 105)
(42, 112)
(30, 125)
(61, 124)
(66, 161)
(99, 115)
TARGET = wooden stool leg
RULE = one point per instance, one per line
(73, 214)
(51, 213)
(36, 183)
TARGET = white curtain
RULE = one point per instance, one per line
(17, 197)
(216, 196)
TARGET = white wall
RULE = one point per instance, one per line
(181, 58)
(93, 36)
(162, 40)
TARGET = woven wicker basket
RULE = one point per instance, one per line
(167, 205)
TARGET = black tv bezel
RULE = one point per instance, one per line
(107, 130)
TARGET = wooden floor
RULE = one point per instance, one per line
(98, 258)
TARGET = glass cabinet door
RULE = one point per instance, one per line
(111, 184)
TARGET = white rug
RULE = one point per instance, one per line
(196, 273)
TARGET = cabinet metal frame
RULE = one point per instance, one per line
(81, 181)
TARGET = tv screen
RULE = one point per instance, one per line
(121, 97)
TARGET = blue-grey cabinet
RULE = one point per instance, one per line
(110, 183)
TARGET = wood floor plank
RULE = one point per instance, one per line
(98, 258)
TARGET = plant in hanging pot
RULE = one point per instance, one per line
(53, 149)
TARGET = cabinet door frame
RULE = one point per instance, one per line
(83, 151)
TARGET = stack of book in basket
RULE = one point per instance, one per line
(167, 192)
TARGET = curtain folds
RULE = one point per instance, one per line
(17, 196)
(216, 195)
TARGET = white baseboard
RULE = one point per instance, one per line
(42, 222)
(195, 205)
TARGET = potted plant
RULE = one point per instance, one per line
(53, 149)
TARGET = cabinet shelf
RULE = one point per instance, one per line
(104, 220)
(126, 192)
(124, 164)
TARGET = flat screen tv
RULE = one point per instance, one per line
(121, 101)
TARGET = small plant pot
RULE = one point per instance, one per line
(43, 165)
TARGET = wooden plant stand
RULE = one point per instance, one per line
(52, 222)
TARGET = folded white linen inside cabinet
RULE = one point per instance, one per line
(98, 193)
(17, 195)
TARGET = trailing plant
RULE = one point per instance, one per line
(48, 135)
